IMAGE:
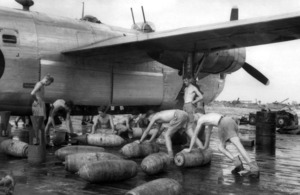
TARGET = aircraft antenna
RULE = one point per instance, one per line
(132, 15)
(143, 14)
(82, 10)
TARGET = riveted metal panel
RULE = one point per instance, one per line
(85, 85)
(137, 88)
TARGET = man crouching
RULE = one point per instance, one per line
(177, 119)
(227, 132)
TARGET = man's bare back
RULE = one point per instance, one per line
(210, 119)
(164, 116)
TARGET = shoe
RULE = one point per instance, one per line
(254, 170)
(238, 165)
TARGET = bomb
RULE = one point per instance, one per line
(196, 157)
(155, 163)
(135, 150)
(101, 139)
(63, 152)
(108, 171)
(14, 148)
(163, 186)
(74, 162)
(61, 137)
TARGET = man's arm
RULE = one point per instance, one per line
(37, 87)
(95, 121)
(154, 118)
(196, 132)
(154, 135)
(127, 123)
(111, 120)
(207, 136)
(199, 96)
(69, 122)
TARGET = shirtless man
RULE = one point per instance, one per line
(190, 92)
(60, 107)
(177, 119)
(38, 106)
(126, 124)
(103, 120)
(227, 132)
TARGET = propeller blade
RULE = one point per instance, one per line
(256, 74)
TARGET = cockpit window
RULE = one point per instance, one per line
(9, 38)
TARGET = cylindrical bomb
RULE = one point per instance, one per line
(61, 137)
(101, 139)
(164, 186)
(155, 163)
(107, 171)
(135, 133)
(135, 150)
(196, 157)
(63, 152)
(74, 162)
(14, 148)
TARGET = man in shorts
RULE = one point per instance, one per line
(227, 132)
(62, 108)
(38, 105)
(177, 119)
(190, 102)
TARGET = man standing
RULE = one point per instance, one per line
(227, 132)
(177, 119)
(38, 106)
(190, 102)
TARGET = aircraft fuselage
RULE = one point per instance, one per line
(30, 47)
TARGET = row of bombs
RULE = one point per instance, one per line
(62, 137)
(94, 165)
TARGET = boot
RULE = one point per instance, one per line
(254, 170)
(238, 165)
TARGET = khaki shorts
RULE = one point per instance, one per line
(180, 120)
(190, 109)
(227, 129)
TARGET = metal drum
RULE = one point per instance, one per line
(21, 135)
(266, 131)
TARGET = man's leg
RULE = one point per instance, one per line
(169, 133)
(236, 160)
(47, 128)
(190, 134)
(236, 141)
(254, 169)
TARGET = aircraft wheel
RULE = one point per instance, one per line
(281, 122)
(252, 120)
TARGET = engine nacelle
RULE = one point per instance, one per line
(225, 61)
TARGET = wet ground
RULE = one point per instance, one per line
(280, 173)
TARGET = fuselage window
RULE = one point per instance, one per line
(9, 38)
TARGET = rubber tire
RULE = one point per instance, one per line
(252, 120)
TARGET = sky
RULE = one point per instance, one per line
(280, 62)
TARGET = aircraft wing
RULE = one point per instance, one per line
(233, 34)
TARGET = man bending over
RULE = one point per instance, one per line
(177, 119)
(227, 132)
